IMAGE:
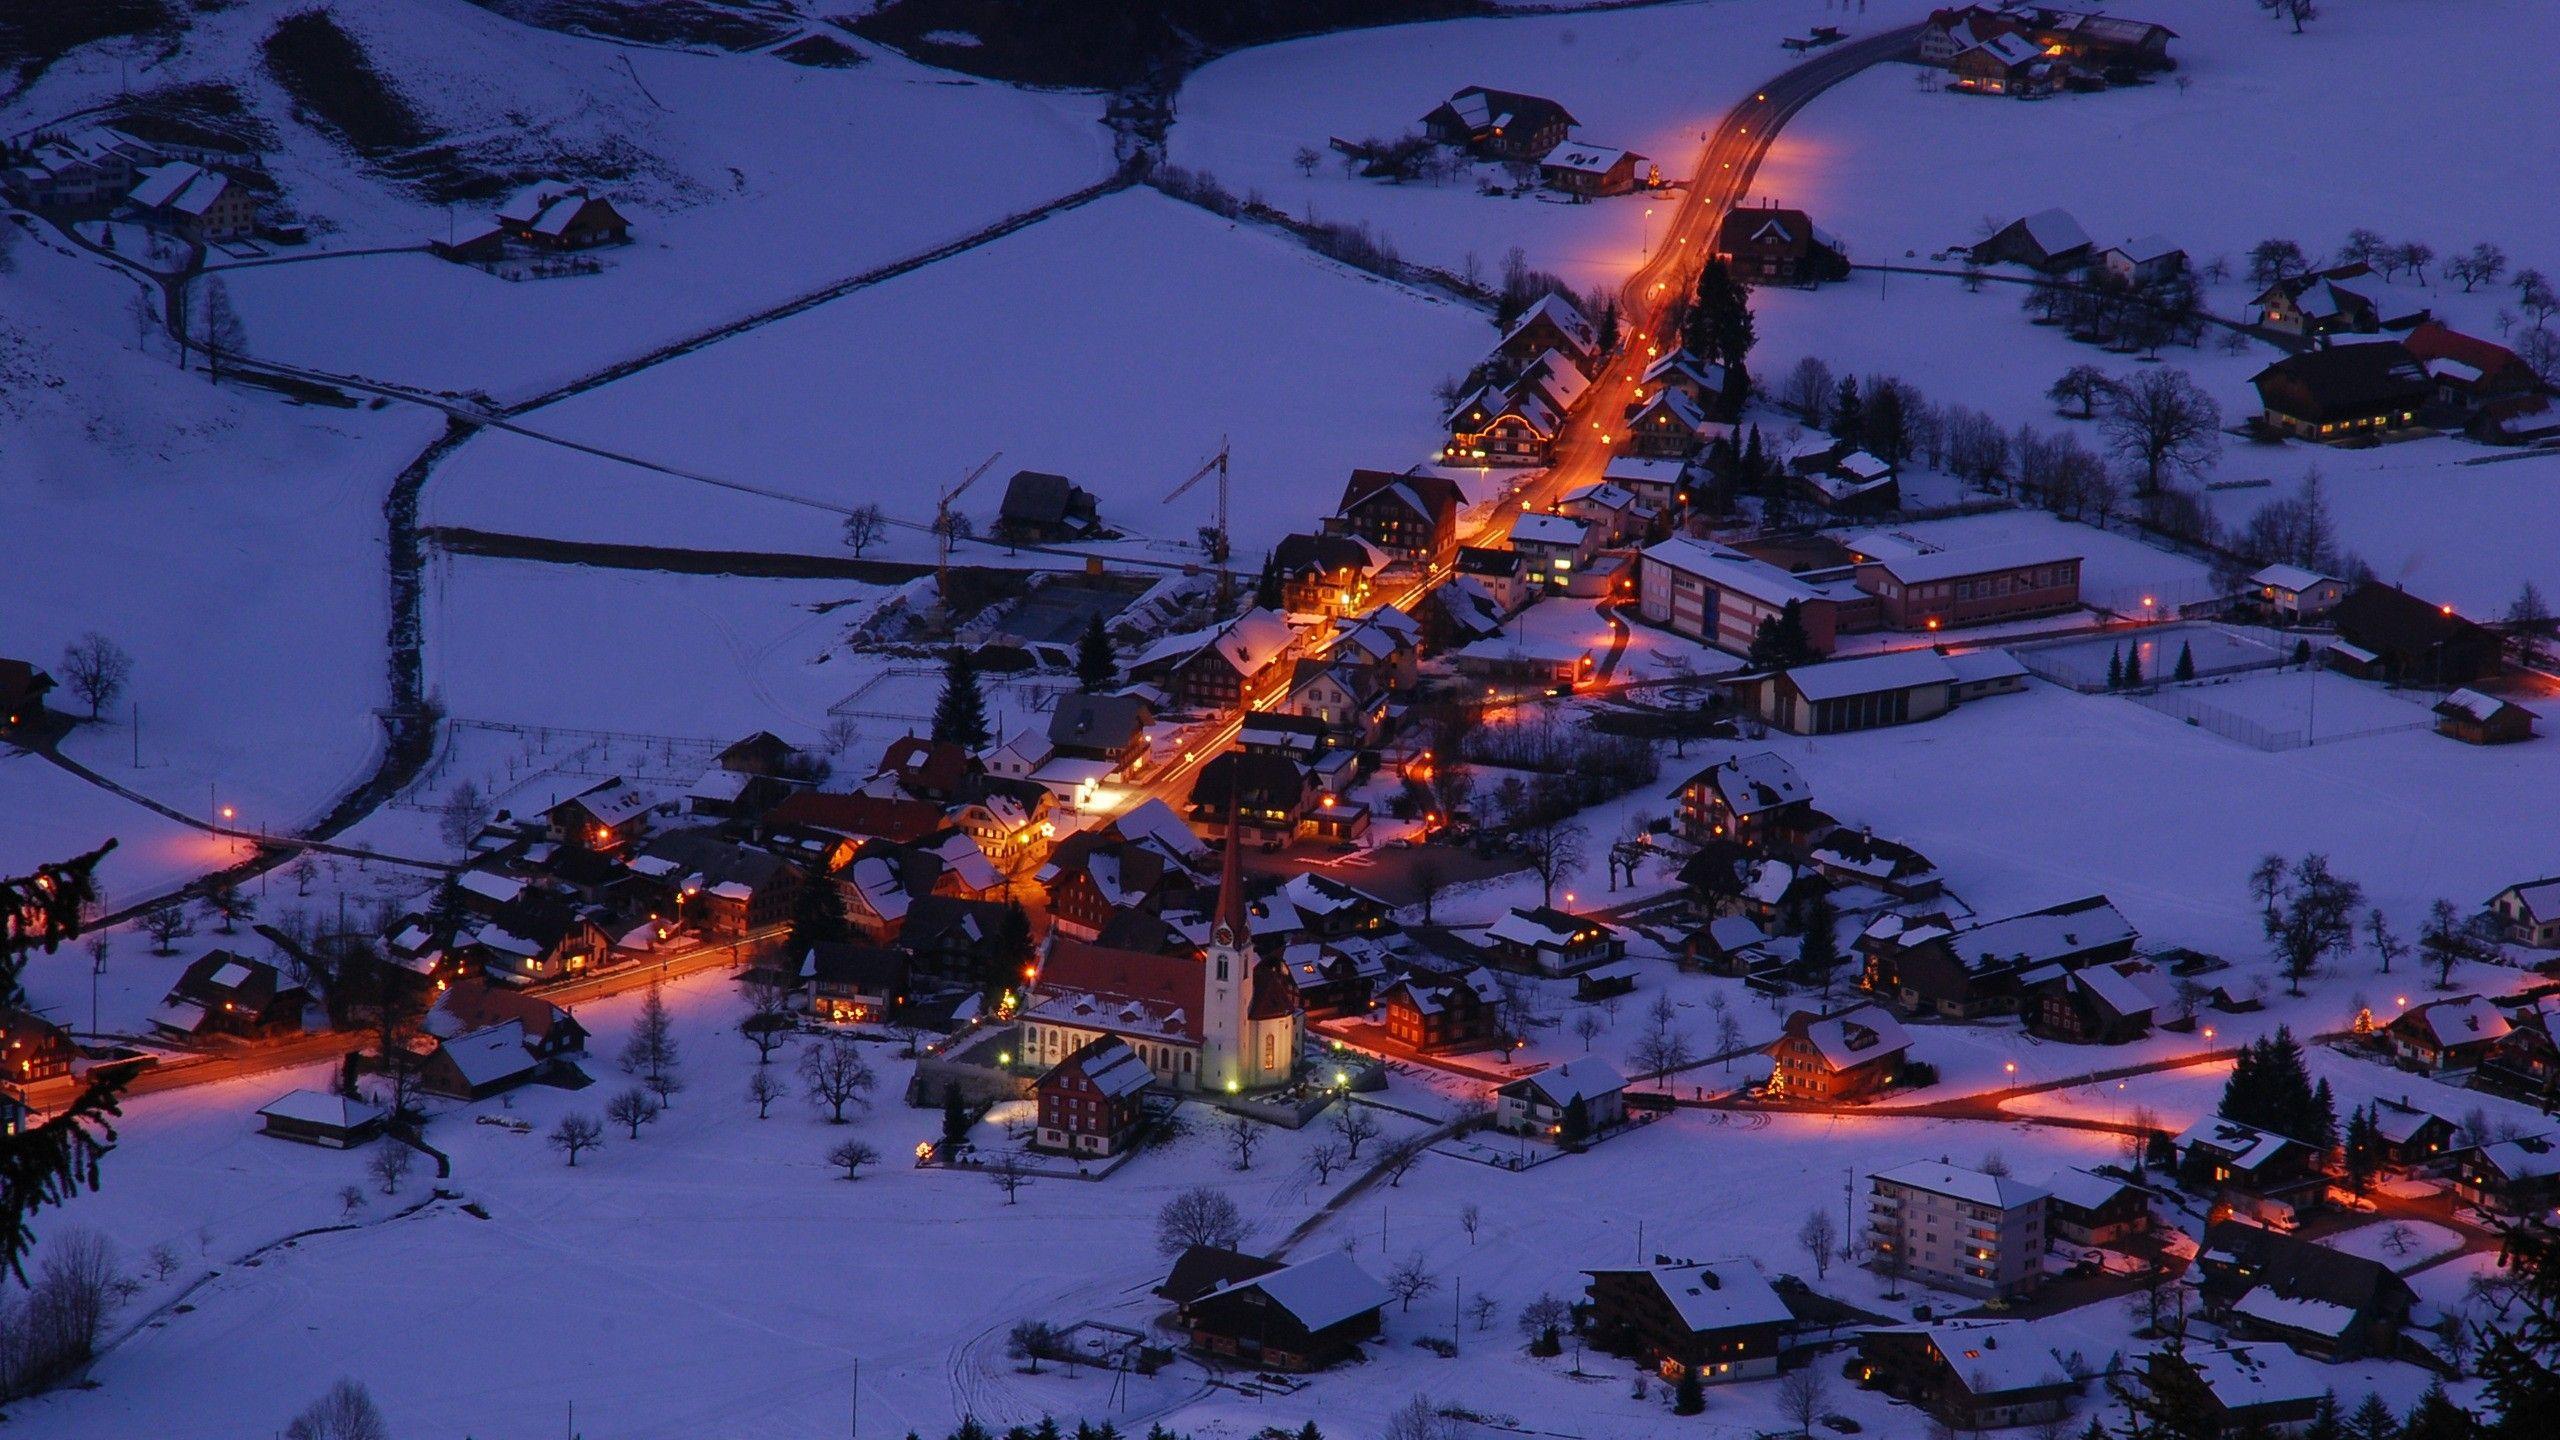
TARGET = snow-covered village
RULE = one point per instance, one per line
(1279, 719)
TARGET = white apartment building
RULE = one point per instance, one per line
(1959, 1229)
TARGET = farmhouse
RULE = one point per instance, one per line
(1241, 665)
(32, 1048)
(1499, 124)
(1039, 507)
(1772, 246)
(1847, 1056)
(482, 1063)
(1846, 480)
(2512, 1177)
(472, 1005)
(2321, 1301)
(2089, 1209)
(559, 216)
(2413, 642)
(1575, 168)
(2146, 261)
(2101, 40)
(1325, 575)
(2477, 719)
(1959, 1229)
(22, 691)
(321, 1117)
(1743, 799)
(1567, 1102)
(1298, 1317)
(199, 204)
(1988, 969)
(1859, 857)
(2342, 392)
(1719, 1320)
(2530, 912)
(2243, 1389)
(227, 994)
(1549, 941)
(2411, 1136)
(2319, 302)
(2216, 1154)
(2470, 374)
(2527, 1061)
(2440, 1035)
(1552, 324)
(1410, 517)
(2049, 240)
(2006, 65)
(1972, 1374)
(2109, 1004)
(1091, 1103)
(1428, 1012)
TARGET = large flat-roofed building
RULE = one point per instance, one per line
(1923, 589)
(1720, 596)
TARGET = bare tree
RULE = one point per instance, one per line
(852, 1155)
(1665, 1046)
(1356, 1126)
(651, 1051)
(1030, 1340)
(1820, 1237)
(631, 1109)
(2163, 424)
(1483, 1308)
(864, 527)
(768, 1023)
(1470, 1219)
(466, 810)
(1430, 877)
(166, 924)
(1243, 1138)
(763, 1090)
(1801, 1395)
(350, 1200)
(833, 1075)
(390, 1165)
(96, 669)
(1588, 1026)
(575, 1134)
(1009, 1174)
(1198, 1216)
(218, 330)
(1419, 1419)
(1324, 1157)
(347, 1412)
(1553, 846)
(1411, 1280)
(2386, 943)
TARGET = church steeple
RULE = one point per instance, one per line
(1230, 926)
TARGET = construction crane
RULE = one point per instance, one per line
(1214, 539)
(942, 525)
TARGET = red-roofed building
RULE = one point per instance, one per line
(855, 816)
(1092, 1102)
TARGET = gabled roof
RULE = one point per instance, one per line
(1990, 1357)
(491, 1056)
(2243, 1377)
(1164, 989)
(1318, 1293)
(1544, 925)
(2376, 615)
(1431, 498)
(322, 1107)
(1586, 1079)
(1203, 1268)
(1541, 528)
(1853, 1037)
(2472, 705)
(2000, 1192)
(1753, 784)
(2291, 577)
(1714, 1295)
(2465, 1020)
(889, 818)
(2054, 231)
(1584, 159)
(2243, 1147)
(1561, 313)
(1480, 108)
(1320, 552)
(2342, 379)
(2083, 1190)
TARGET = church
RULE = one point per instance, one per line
(1223, 1021)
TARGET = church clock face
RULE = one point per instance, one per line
(1226, 936)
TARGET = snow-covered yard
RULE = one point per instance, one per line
(1048, 346)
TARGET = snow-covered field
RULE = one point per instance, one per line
(1651, 80)
(2117, 572)
(1049, 346)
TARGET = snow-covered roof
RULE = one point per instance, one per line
(1730, 570)
(1318, 1293)
(2240, 1377)
(2291, 578)
(180, 186)
(2474, 705)
(230, 976)
(2467, 1020)
(2011, 49)
(1991, 1357)
(1584, 159)
(615, 804)
(2001, 1192)
(2246, 1146)
(2399, 1123)
(2129, 987)
(2357, 653)
(485, 1057)
(489, 885)
(1586, 1079)
(1938, 565)
(1560, 312)
(1872, 674)
(2052, 933)
(1974, 667)
(1855, 1037)
(321, 1107)
(2055, 231)
(1542, 926)
(1545, 529)
(2083, 1190)
(2539, 898)
(2315, 1317)
(1639, 470)
(2529, 1157)
(1715, 1294)
(2145, 248)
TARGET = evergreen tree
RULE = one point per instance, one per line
(1781, 641)
(1609, 328)
(2186, 662)
(1097, 668)
(2115, 668)
(2325, 1422)
(1848, 412)
(1689, 1396)
(2436, 1417)
(2373, 1420)
(1575, 1126)
(2518, 1349)
(2133, 668)
(2361, 1151)
(817, 916)
(1008, 951)
(955, 1116)
(2320, 1121)
(1266, 589)
(960, 715)
(1818, 948)
(447, 913)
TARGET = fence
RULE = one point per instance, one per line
(2184, 705)
(542, 750)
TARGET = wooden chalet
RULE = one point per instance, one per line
(2453, 1034)
(32, 1048)
(1756, 800)
(2512, 1177)
(1555, 324)
(1972, 1374)
(2216, 1155)
(2412, 642)
(1772, 246)
(2086, 1208)
(2050, 241)
(1847, 1056)
(1039, 508)
(2260, 1389)
(1324, 574)
(1718, 1320)
(1587, 171)
(1410, 517)
(1548, 941)
(2321, 1301)
(1436, 1013)
(557, 216)
(2476, 719)
(2342, 392)
(1499, 124)
(1989, 968)
(2108, 1004)
(1241, 665)
(221, 993)
(1304, 1316)
(2320, 303)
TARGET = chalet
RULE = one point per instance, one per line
(1328, 909)
(2441, 1035)
(762, 753)
(1499, 425)
(1895, 688)
(22, 691)
(1727, 944)
(1574, 168)
(1680, 372)
(2470, 374)
(1098, 873)
(1858, 857)
(2530, 913)
(1552, 324)
(1439, 1013)
(1110, 728)
(1750, 799)
(469, 1006)
(1241, 665)
(847, 983)
(2321, 1301)
(1460, 613)
(2217, 1155)
(2477, 719)
(85, 171)
(1336, 696)
(2237, 1389)
(1986, 969)
(1612, 511)
(1670, 426)
(226, 994)
(1549, 941)
(2320, 302)
(2411, 1136)
(1718, 1320)
(321, 1117)
(1382, 650)
(1264, 797)
(825, 821)
(1200, 1269)
(1848, 1056)
(930, 770)
(2413, 642)
(483, 1063)
(1326, 575)
(1972, 1374)
(2083, 1208)
(1299, 1317)
(198, 204)
(1018, 756)
(1771, 246)
(2108, 42)
(2342, 392)
(2150, 260)
(1774, 890)
(1846, 480)
(1568, 1102)
(32, 1048)
(2006, 65)
(1041, 508)
(2110, 1004)
(1499, 124)
(605, 818)
(1950, 32)
(2049, 240)
(1092, 1102)
(2512, 1177)
(1558, 547)
(558, 216)
(726, 889)
(1338, 977)
(2297, 594)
